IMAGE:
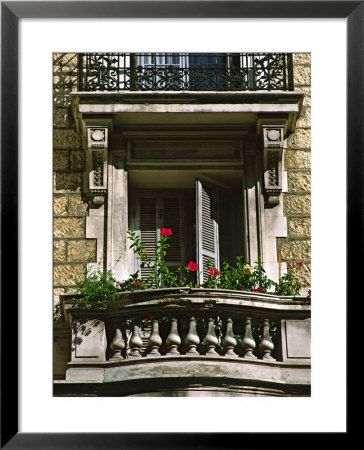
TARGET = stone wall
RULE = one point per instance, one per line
(297, 162)
(71, 249)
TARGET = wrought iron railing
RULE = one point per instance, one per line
(185, 72)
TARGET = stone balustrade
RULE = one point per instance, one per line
(257, 336)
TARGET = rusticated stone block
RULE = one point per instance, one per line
(77, 160)
(297, 159)
(69, 227)
(68, 274)
(59, 250)
(299, 226)
(56, 293)
(302, 75)
(61, 117)
(301, 138)
(305, 120)
(60, 160)
(65, 66)
(82, 250)
(307, 91)
(68, 182)
(66, 139)
(296, 205)
(76, 206)
(64, 82)
(56, 57)
(60, 203)
(296, 250)
(65, 58)
(299, 181)
(301, 58)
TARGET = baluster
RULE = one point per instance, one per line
(248, 342)
(192, 340)
(210, 339)
(155, 341)
(117, 345)
(173, 340)
(229, 341)
(266, 345)
(135, 343)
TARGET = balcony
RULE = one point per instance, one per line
(114, 72)
(188, 342)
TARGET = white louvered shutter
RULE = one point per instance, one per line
(148, 228)
(206, 227)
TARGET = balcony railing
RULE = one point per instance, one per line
(185, 333)
(185, 72)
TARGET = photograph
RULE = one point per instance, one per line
(182, 224)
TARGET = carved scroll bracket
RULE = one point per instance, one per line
(273, 138)
(97, 139)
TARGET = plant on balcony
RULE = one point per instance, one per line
(103, 287)
(241, 277)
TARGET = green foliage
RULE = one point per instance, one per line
(98, 286)
(160, 274)
(57, 312)
(241, 277)
(102, 287)
(289, 283)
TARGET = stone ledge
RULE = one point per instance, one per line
(136, 376)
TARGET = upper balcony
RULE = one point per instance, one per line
(115, 72)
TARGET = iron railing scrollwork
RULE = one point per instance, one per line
(185, 72)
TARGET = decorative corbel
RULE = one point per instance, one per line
(273, 138)
(97, 161)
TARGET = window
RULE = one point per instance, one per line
(206, 222)
(193, 71)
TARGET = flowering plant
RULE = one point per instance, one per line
(160, 275)
(241, 276)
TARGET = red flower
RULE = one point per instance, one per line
(214, 272)
(276, 293)
(166, 232)
(137, 283)
(260, 289)
(309, 292)
(118, 282)
(146, 319)
(192, 266)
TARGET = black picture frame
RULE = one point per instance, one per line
(11, 12)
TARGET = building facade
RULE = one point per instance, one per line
(217, 148)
